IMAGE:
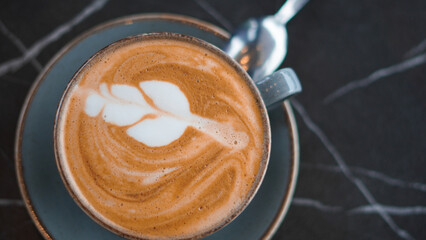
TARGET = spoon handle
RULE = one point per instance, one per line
(289, 9)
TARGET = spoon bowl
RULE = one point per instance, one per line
(259, 45)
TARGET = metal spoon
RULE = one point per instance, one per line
(260, 45)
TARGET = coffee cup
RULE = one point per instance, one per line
(164, 136)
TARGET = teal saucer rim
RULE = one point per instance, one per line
(289, 115)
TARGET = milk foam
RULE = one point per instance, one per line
(126, 106)
(167, 96)
(158, 132)
(162, 139)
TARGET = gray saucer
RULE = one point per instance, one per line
(54, 212)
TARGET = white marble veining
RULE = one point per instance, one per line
(11, 202)
(416, 50)
(18, 43)
(215, 14)
(306, 202)
(366, 209)
(376, 75)
(346, 171)
(392, 210)
(36, 48)
(371, 174)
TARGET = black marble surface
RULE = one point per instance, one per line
(361, 117)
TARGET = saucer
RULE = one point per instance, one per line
(49, 204)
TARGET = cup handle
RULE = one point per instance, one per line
(279, 86)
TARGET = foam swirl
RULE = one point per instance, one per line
(151, 162)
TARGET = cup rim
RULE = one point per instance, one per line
(61, 159)
(28, 198)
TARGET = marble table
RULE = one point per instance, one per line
(361, 117)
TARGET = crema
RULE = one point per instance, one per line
(161, 138)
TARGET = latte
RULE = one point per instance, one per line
(161, 137)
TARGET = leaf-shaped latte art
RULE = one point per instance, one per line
(158, 132)
(124, 105)
(167, 96)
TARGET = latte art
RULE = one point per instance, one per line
(161, 122)
(161, 139)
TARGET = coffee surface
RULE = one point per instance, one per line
(161, 138)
